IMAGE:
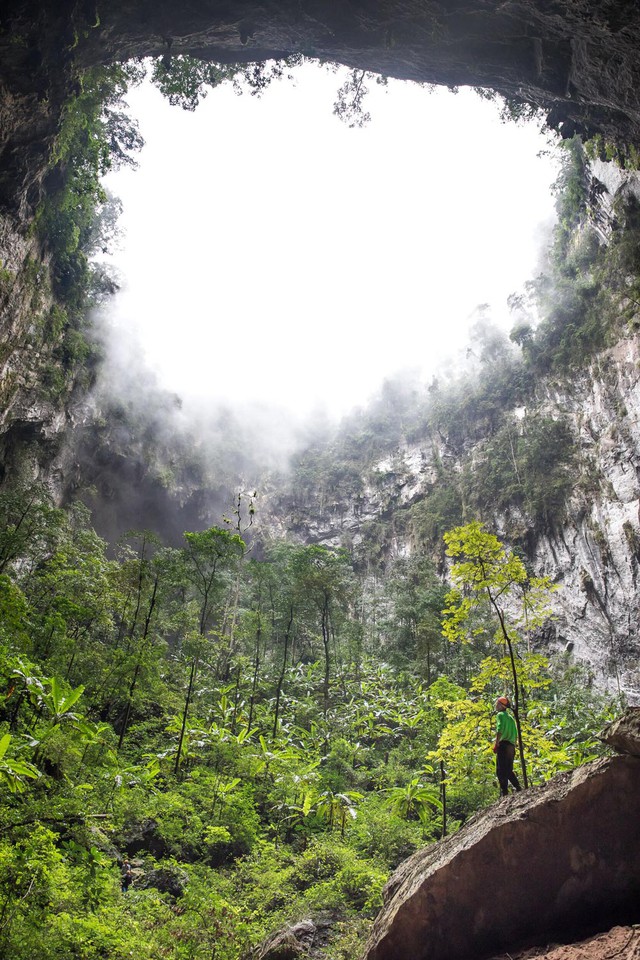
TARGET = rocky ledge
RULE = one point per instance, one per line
(621, 943)
(556, 863)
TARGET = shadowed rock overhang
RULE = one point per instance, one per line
(578, 61)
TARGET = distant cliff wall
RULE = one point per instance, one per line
(593, 554)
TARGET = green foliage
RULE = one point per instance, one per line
(553, 741)
(581, 296)
(185, 81)
(96, 135)
(513, 109)
(413, 621)
(76, 219)
(440, 510)
(29, 524)
(382, 836)
(414, 800)
(221, 720)
(12, 770)
(493, 590)
(625, 155)
(484, 575)
(268, 737)
(528, 464)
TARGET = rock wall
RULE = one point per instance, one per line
(29, 412)
(594, 556)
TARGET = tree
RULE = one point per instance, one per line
(348, 105)
(284, 618)
(96, 135)
(73, 594)
(323, 579)
(413, 621)
(141, 583)
(489, 579)
(204, 564)
(30, 525)
(186, 80)
(207, 556)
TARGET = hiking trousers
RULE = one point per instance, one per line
(505, 755)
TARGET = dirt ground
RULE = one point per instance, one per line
(620, 943)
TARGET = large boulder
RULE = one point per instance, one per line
(289, 944)
(555, 862)
(165, 877)
(623, 734)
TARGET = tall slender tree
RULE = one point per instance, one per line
(205, 564)
(489, 578)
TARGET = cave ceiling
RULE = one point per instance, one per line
(576, 60)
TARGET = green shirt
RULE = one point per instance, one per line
(506, 727)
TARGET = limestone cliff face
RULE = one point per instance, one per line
(31, 411)
(592, 555)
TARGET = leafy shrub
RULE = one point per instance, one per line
(361, 884)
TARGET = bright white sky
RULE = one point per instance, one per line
(271, 253)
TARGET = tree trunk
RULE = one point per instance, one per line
(256, 668)
(192, 676)
(516, 690)
(443, 795)
(287, 635)
(136, 672)
(326, 636)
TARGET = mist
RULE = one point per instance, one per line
(271, 254)
(276, 268)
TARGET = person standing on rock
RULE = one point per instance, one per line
(504, 746)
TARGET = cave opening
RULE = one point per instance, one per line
(577, 68)
(273, 254)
